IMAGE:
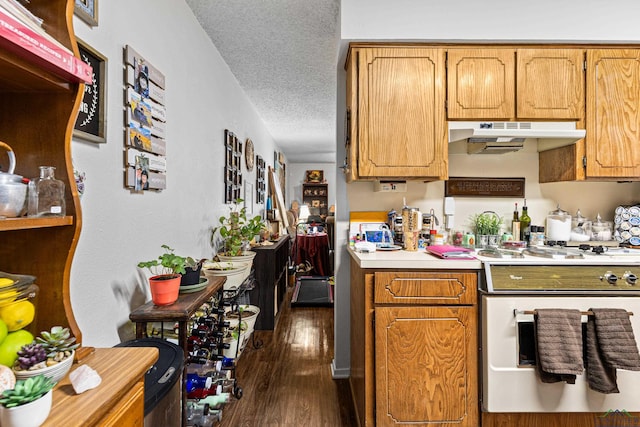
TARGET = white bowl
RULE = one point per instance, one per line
(235, 273)
(250, 320)
(247, 256)
(55, 372)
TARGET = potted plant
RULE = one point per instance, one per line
(235, 272)
(191, 276)
(236, 232)
(166, 272)
(51, 355)
(27, 404)
(486, 226)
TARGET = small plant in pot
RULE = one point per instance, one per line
(486, 227)
(51, 355)
(191, 276)
(236, 230)
(166, 272)
(28, 404)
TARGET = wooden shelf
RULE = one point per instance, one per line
(9, 224)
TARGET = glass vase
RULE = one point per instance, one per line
(46, 194)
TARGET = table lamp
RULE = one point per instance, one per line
(304, 214)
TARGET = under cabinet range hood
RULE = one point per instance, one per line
(505, 137)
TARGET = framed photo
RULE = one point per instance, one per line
(87, 10)
(314, 176)
(248, 197)
(91, 123)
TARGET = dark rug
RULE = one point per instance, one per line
(313, 291)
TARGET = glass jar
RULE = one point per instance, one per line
(46, 194)
(559, 226)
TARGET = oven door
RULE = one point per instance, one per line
(510, 382)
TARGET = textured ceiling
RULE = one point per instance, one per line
(284, 55)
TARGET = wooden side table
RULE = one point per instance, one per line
(181, 312)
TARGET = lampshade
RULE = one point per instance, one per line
(304, 213)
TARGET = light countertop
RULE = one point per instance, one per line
(402, 259)
(420, 259)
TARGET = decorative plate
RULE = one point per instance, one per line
(248, 154)
(389, 248)
(187, 289)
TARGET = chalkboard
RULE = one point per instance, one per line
(90, 124)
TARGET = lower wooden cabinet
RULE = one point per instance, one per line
(425, 366)
(414, 351)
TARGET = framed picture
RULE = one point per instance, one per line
(87, 10)
(248, 197)
(91, 123)
(314, 176)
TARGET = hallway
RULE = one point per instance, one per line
(287, 380)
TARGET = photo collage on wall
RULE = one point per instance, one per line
(232, 167)
(145, 160)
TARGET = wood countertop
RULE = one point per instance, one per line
(120, 369)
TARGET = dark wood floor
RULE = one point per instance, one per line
(287, 381)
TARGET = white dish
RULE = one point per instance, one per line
(187, 289)
(389, 248)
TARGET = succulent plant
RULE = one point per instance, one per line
(58, 340)
(30, 355)
(25, 391)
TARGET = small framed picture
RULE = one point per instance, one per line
(91, 122)
(87, 10)
(315, 176)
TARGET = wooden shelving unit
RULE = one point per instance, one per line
(39, 101)
(316, 195)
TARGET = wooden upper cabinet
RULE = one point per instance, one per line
(510, 84)
(481, 83)
(613, 113)
(550, 84)
(397, 111)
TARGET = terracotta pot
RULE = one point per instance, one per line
(164, 288)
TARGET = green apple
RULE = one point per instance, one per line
(3, 331)
(12, 344)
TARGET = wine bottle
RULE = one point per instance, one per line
(515, 224)
(195, 382)
(525, 223)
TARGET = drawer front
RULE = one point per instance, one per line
(414, 287)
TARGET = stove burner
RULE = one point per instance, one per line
(595, 249)
(553, 252)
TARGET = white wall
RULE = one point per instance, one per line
(296, 173)
(574, 20)
(464, 20)
(121, 228)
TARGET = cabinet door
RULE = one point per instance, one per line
(550, 84)
(421, 287)
(401, 123)
(426, 366)
(481, 84)
(613, 113)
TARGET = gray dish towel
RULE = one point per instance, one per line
(558, 339)
(611, 345)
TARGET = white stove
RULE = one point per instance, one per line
(514, 285)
